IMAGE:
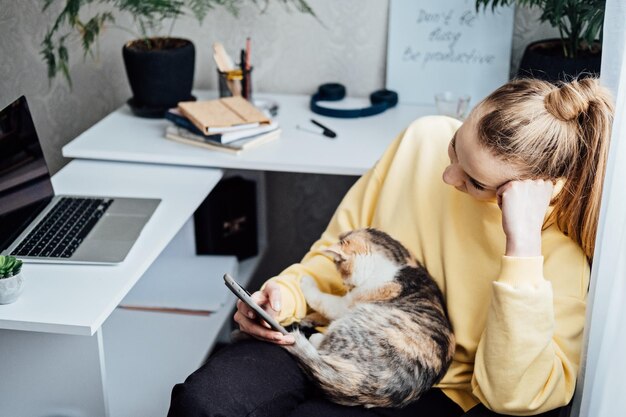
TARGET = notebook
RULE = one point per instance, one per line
(174, 116)
(182, 135)
(38, 226)
(222, 115)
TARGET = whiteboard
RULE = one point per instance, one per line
(445, 45)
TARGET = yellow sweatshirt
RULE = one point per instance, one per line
(518, 322)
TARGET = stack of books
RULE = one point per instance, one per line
(228, 124)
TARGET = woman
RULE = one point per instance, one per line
(509, 244)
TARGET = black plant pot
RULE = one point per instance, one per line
(545, 60)
(161, 76)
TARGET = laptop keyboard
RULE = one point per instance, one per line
(60, 232)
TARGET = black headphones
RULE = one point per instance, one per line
(381, 100)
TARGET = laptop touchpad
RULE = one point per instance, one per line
(118, 227)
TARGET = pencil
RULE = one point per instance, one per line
(248, 53)
(188, 311)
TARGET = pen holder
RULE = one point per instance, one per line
(235, 83)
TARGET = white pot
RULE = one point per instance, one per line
(11, 288)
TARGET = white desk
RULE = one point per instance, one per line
(57, 338)
(63, 355)
(360, 142)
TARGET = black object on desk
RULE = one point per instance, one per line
(226, 221)
(140, 110)
(380, 100)
(325, 131)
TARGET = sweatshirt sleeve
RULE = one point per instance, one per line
(356, 210)
(528, 356)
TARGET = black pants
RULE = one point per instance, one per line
(258, 379)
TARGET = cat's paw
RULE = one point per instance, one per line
(316, 340)
(309, 287)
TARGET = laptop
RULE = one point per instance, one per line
(38, 226)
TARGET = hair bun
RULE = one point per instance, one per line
(569, 100)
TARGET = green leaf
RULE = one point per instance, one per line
(50, 60)
(200, 8)
(147, 15)
(9, 266)
(46, 4)
(576, 20)
(18, 267)
(9, 263)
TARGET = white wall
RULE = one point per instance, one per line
(292, 53)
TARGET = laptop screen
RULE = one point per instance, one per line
(25, 186)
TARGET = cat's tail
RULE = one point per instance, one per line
(340, 379)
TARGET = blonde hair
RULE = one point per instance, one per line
(555, 132)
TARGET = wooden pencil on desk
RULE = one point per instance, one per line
(226, 65)
(187, 311)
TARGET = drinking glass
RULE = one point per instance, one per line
(452, 104)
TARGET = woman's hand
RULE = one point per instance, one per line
(269, 300)
(524, 205)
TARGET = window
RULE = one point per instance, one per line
(600, 391)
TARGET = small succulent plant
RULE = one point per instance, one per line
(9, 266)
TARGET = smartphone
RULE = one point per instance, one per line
(244, 296)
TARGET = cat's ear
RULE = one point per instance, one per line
(335, 252)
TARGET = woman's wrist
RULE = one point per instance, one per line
(526, 246)
(518, 271)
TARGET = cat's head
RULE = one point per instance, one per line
(368, 256)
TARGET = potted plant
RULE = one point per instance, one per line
(578, 50)
(159, 67)
(11, 279)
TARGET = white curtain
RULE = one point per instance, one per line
(601, 390)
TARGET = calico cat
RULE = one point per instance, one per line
(389, 338)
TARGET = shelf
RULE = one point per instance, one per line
(180, 279)
(248, 267)
(147, 353)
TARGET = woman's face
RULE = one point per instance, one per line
(473, 169)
